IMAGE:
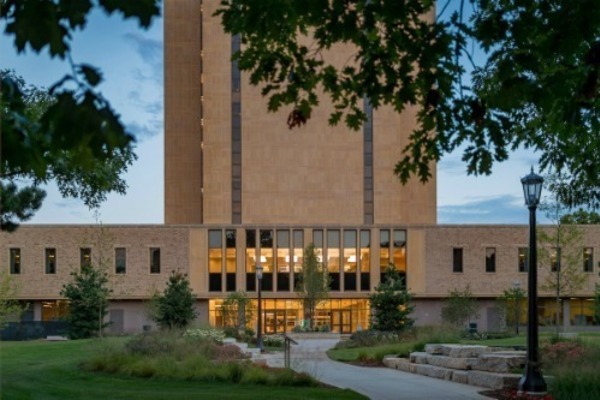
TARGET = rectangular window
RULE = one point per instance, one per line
(490, 259)
(298, 250)
(399, 252)
(250, 260)
(333, 258)
(457, 259)
(523, 259)
(215, 260)
(350, 260)
(85, 257)
(230, 260)
(120, 260)
(384, 249)
(15, 261)
(266, 259)
(365, 260)
(555, 259)
(588, 259)
(51, 261)
(155, 260)
(284, 261)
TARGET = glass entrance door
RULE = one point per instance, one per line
(341, 321)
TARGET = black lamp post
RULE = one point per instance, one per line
(259, 276)
(533, 381)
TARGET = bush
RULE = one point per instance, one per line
(273, 340)
(215, 335)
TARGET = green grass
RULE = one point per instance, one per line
(49, 370)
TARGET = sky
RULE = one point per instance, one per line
(131, 60)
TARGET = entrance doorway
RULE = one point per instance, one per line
(341, 321)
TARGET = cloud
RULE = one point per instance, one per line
(151, 52)
(505, 209)
(143, 131)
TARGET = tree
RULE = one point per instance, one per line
(68, 134)
(313, 282)
(391, 304)
(560, 250)
(511, 305)
(581, 217)
(459, 307)
(10, 308)
(236, 310)
(534, 82)
(174, 309)
(88, 295)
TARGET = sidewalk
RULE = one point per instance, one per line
(376, 383)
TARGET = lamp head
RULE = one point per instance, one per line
(259, 271)
(532, 188)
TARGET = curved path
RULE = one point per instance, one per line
(376, 383)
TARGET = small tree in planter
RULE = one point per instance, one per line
(237, 310)
(391, 304)
(460, 307)
(313, 282)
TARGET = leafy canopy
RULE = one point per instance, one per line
(537, 85)
(69, 133)
(313, 282)
(459, 307)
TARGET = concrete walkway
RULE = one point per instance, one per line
(376, 383)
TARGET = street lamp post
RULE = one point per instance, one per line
(532, 382)
(259, 276)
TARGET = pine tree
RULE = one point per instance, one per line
(391, 304)
(174, 309)
(88, 302)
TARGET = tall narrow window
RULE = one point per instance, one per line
(51, 261)
(365, 260)
(555, 259)
(215, 261)
(15, 261)
(250, 260)
(298, 254)
(284, 261)
(588, 259)
(384, 252)
(399, 252)
(333, 258)
(231, 260)
(368, 208)
(350, 260)
(85, 257)
(490, 259)
(457, 259)
(523, 259)
(266, 259)
(155, 260)
(120, 260)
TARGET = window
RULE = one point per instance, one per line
(250, 260)
(215, 260)
(155, 260)
(266, 259)
(490, 259)
(350, 260)
(588, 259)
(298, 250)
(333, 259)
(120, 260)
(15, 261)
(230, 260)
(50, 261)
(85, 257)
(523, 259)
(384, 250)
(283, 261)
(555, 259)
(365, 260)
(457, 259)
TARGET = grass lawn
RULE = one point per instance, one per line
(48, 370)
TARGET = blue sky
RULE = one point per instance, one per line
(131, 60)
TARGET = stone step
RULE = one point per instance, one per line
(459, 350)
(500, 362)
(442, 361)
(492, 380)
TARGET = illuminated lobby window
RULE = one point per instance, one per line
(266, 259)
(15, 261)
(54, 310)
